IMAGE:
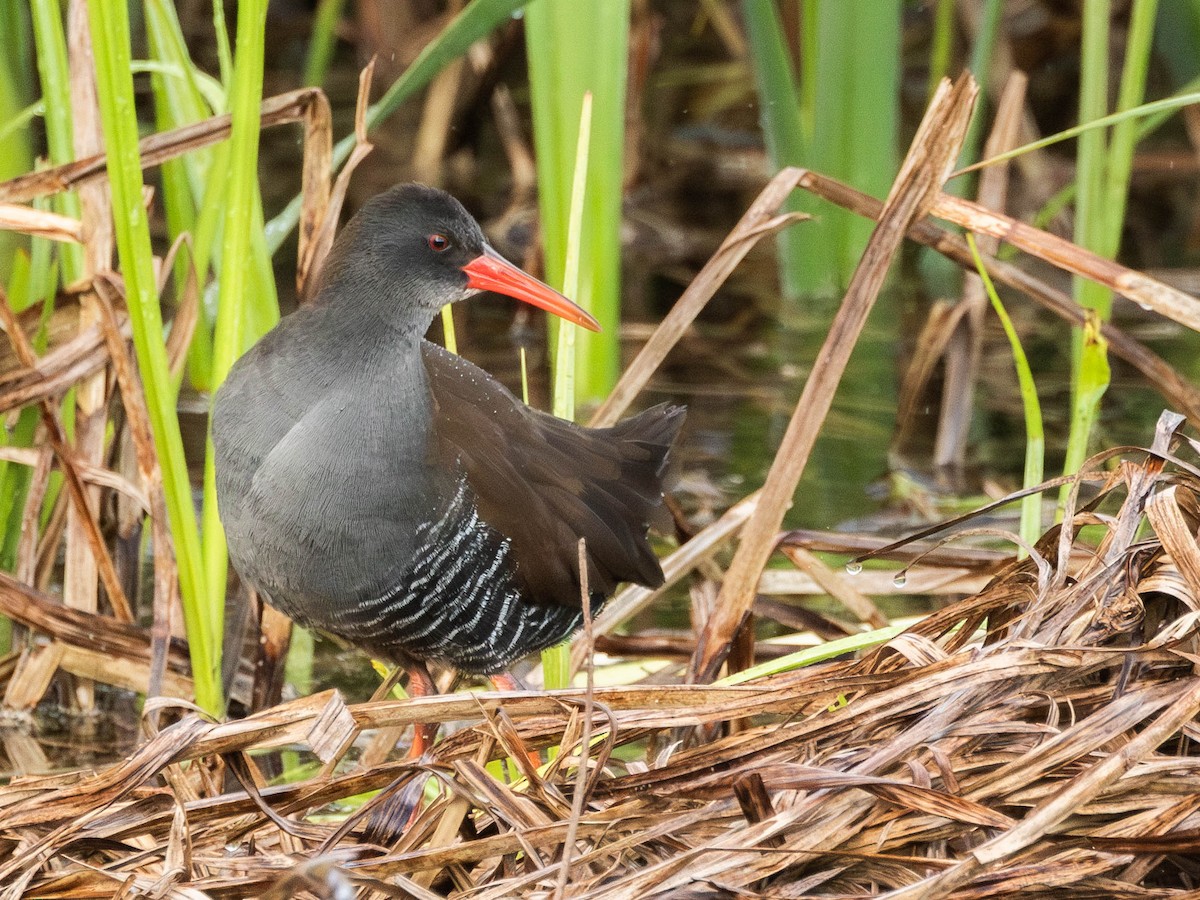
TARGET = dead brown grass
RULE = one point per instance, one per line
(1032, 739)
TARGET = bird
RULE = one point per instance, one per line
(375, 486)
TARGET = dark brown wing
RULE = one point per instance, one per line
(544, 483)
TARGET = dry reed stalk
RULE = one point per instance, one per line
(1158, 373)
(76, 628)
(964, 340)
(759, 221)
(40, 223)
(320, 217)
(922, 581)
(77, 490)
(830, 582)
(73, 355)
(937, 742)
(83, 560)
(934, 148)
(309, 106)
(137, 417)
(1143, 290)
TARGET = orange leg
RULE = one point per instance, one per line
(420, 684)
(503, 681)
(397, 813)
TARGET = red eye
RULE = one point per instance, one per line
(439, 243)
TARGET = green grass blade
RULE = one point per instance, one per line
(1125, 133)
(181, 101)
(262, 302)
(556, 661)
(20, 121)
(1035, 434)
(524, 377)
(15, 478)
(224, 54)
(110, 36)
(477, 20)
(810, 655)
(1093, 143)
(238, 276)
(858, 93)
(205, 249)
(448, 336)
(564, 361)
(14, 40)
(16, 150)
(54, 74)
(787, 127)
(1102, 185)
(1153, 111)
(1091, 160)
(807, 66)
(556, 666)
(323, 41)
(941, 46)
(573, 49)
(841, 118)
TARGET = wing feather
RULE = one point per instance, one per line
(544, 483)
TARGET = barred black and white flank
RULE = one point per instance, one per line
(458, 602)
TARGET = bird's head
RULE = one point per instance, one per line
(415, 249)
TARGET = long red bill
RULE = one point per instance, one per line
(492, 272)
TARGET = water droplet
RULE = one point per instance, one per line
(853, 567)
(900, 579)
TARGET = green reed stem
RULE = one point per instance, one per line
(237, 277)
(853, 97)
(448, 336)
(34, 277)
(786, 127)
(942, 45)
(1035, 433)
(16, 149)
(556, 661)
(564, 361)
(110, 36)
(573, 49)
(1103, 168)
(323, 41)
(178, 101)
(55, 76)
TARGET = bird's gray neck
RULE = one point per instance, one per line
(377, 365)
(363, 302)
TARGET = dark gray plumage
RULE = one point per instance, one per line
(375, 486)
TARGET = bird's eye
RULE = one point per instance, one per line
(439, 243)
